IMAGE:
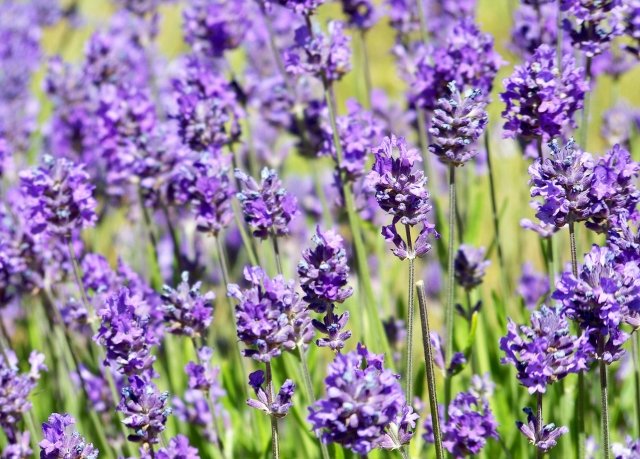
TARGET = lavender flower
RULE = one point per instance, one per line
(592, 25)
(302, 7)
(203, 376)
(126, 333)
(140, 7)
(469, 425)
(61, 441)
(270, 316)
(632, 25)
(187, 311)
(207, 110)
(58, 198)
(624, 240)
(601, 299)
(213, 27)
(529, 32)
(456, 126)
(145, 411)
(450, 367)
(400, 191)
(533, 287)
(630, 450)
(361, 13)
(268, 208)
(280, 406)
(333, 325)
(542, 437)
(613, 189)
(362, 401)
(469, 266)
(563, 182)
(540, 99)
(545, 352)
(327, 57)
(618, 123)
(465, 57)
(324, 272)
(178, 448)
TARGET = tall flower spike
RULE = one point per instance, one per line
(187, 311)
(601, 299)
(267, 208)
(469, 425)
(145, 410)
(563, 181)
(61, 441)
(324, 272)
(270, 316)
(457, 124)
(545, 352)
(363, 399)
(470, 265)
(592, 25)
(327, 57)
(58, 197)
(544, 438)
(280, 406)
(126, 333)
(541, 99)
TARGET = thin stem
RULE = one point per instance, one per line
(584, 128)
(604, 402)
(559, 38)
(428, 361)
(210, 405)
(410, 314)
(424, 35)
(306, 377)
(275, 440)
(175, 241)
(368, 86)
(451, 286)
(424, 144)
(494, 211)
(580, 418)
(636, 378)
(276, 251)
(364, 275)
(78, 278)
(539, 452)
(147, 221)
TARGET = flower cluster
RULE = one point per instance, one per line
(324, 272)
(187, 311)
(533, 287)
(592, 25)
(469, 266)
(58, 198)
(61, 441)
(361, 13)
(207, 110)
(468, 427)
(603, 297)
(279, 407)
(203, 376)
(178, 448)
(542, 437)
(457, 124)
(529, 32)
(270, 316)
(145, 410)
(126, 333)
(545, 352)
(327, 57)
(400, 191)
(363, 400)
(466, 57)
(629, 450)
(541, 99)
(563, 182)
(268, 208)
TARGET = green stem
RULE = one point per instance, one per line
(424, 35)
(78, 278)
(311, 398)
(276, 251)
(584, 129)
(539, 452)
(636, 378)
(361, 260)
(212, 408)
(175, 241)
(428, 361)
(581, 400)
(451, 286)
(424, 145)
(494, 211)
(604, 402)
(409, 390)
(275, 439)
(367, 70)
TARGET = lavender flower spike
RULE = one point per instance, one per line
(145, 411)
(270, 316)
(268, 208)
(544, 439)
(363, 400)
(469, 266)
(457, 124)
(187, 311)
(545, 352)
(178, 448)
(61, 441)
(282, 403)
(324, 271)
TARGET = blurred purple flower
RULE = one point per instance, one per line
(544, 437)
(362, 14)
(592, 25)
(178, 448)
(629, 450)
(61, 441)
(302, 7)
(528, 33)
(533, 287)
(469, 266)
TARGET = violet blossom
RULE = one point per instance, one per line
(279, 407)
(187, 311)
(61, 441)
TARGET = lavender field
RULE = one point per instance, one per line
(338, 229)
